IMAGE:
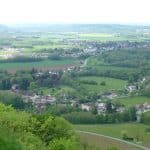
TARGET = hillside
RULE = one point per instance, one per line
(23, 131)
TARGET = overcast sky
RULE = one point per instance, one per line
(75, 11)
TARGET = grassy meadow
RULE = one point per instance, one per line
(111, 83)
(132, 101)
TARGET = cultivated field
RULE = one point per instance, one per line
(115, 130)
(41, 65)
(104, 142)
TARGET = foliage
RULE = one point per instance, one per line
(8, 142)
(36, 132)
(63, 144)
(93, 118)
(145, 118)
(11, 99)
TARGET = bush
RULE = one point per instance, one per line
(7, 141)
(103, 83)
(124, 135)
(145, 118)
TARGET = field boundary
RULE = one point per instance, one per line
(117, 139)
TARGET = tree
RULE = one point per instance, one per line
(109, 107)
(24, 83)
(94, 110)
(124, 135)
(146, 90)
(11, 99)
(132, 113)
(33, 86)
(103, 83)
(145, 118)
(5, 84)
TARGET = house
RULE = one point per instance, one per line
(101, 108)
(86, 107)
(111, 95)
(120, 109)
(143, 80)
(74, 103)
(15, 87)
(141, 108)
(131, 88)
(38, 99)
(39, 74)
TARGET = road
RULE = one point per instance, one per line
(85, 63)
(117, 139)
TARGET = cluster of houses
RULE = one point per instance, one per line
(101, 107)
(143, 107)
(93, 47)
(140, 109)
(39, 101)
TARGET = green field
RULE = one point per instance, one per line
(111, 83)
(115, 130)
(55, 91)
(49, 48)
(132, 101)
(44, 65)
(100, 65)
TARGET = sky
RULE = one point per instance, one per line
(75, 11)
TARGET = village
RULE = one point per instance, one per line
(90, 48)
(40, 102)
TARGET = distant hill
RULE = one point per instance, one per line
(3, 28)
(94, 28)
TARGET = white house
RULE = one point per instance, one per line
(86, 107)
(101, 108)
(131, 88)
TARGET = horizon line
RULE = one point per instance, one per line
(77, 23)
